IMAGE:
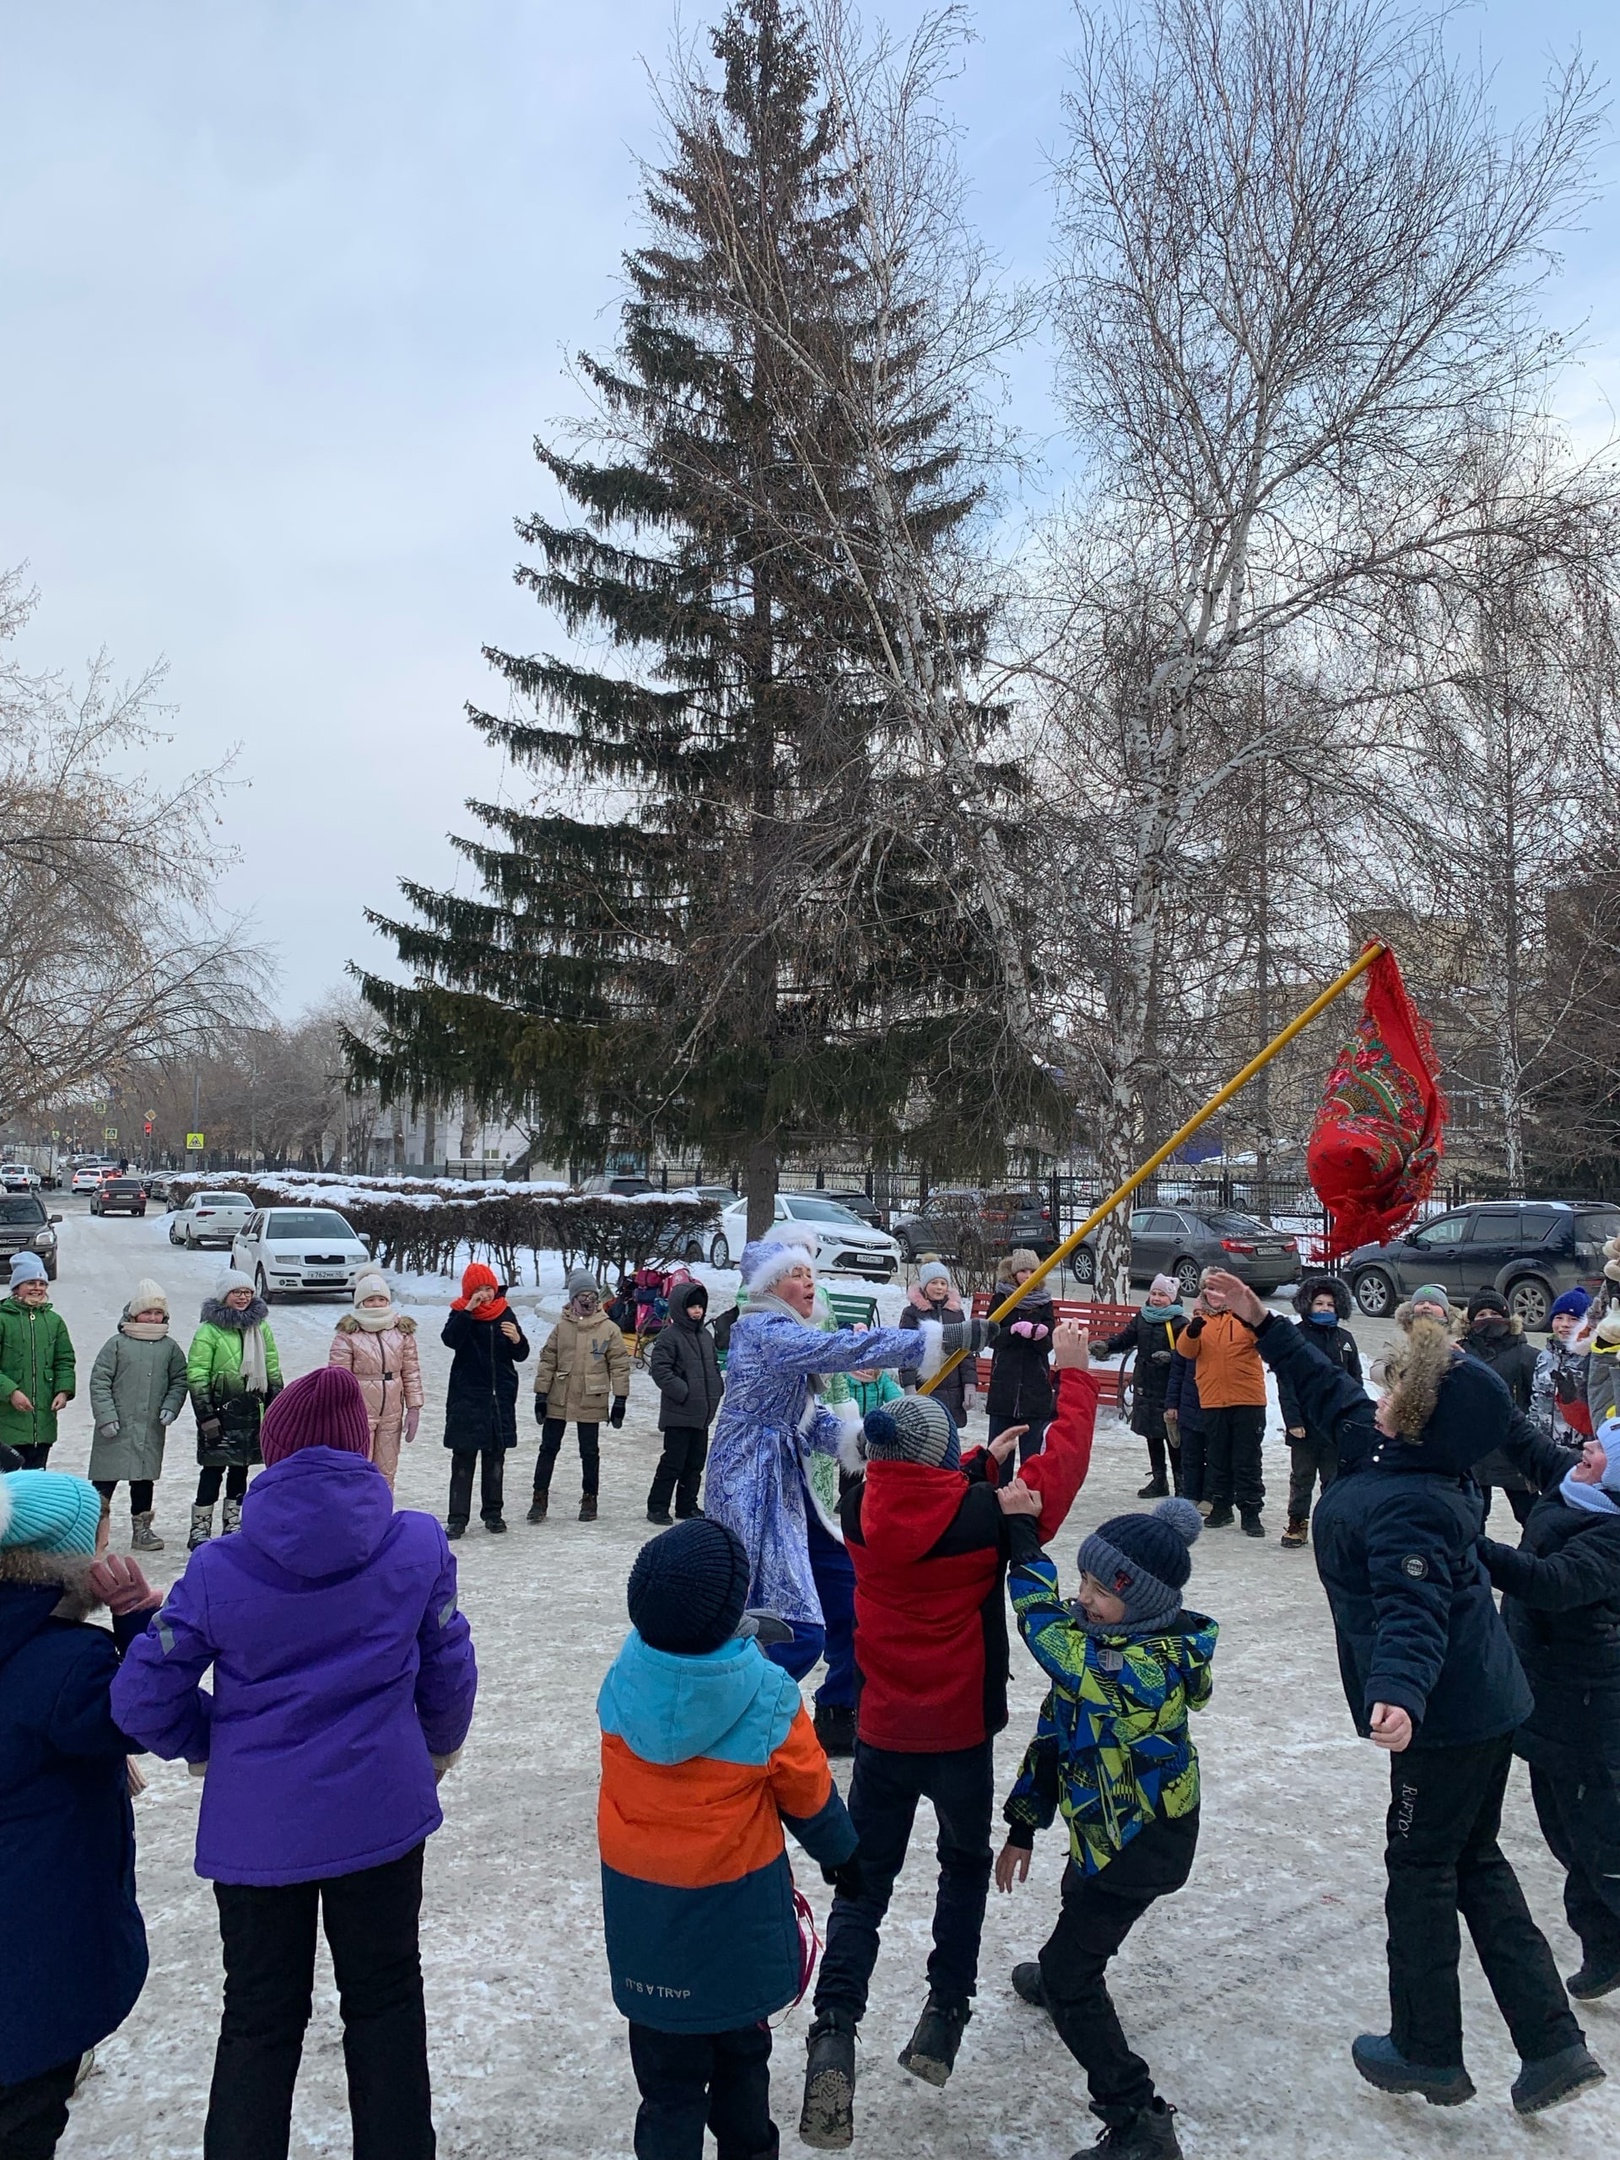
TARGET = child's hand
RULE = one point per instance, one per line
(19, 1401)
(1071, 1348)
(121, 1586)
(1017, 1499)
(1391, 1728)
(1005, 1442)
(59, 1402)
(1235, 1294)
(509, 1329)
(1012, 1865)
(1296, 1432)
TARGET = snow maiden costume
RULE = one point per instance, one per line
(773, 1466)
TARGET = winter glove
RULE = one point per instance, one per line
(210, 1431)
(616, 1414)
(1031, 1330)
(846, 1878)
(969, 1335)
(107, 1432)
(540, 1409)
(413, 1419)
(1194, 1327)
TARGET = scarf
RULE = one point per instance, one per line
(1593, 1498)
(144, 1330)
(495, 1310)
(1157, 1315)
(255, 1372)
(375, 1323)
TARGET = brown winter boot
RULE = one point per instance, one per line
(142, 1537)
(537, 1507)
(1297, 1532)
(587, 1507)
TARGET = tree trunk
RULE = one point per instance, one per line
(759, 1182)
(430, 1134)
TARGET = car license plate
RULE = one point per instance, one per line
(327, 1275)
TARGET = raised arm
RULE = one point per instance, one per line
(1584, 1571)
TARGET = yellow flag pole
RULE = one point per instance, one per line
(1317, 1006)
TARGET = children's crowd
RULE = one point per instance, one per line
(845, 1521)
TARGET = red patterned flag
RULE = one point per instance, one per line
(1375, 1147)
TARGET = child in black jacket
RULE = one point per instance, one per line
(1323, 1305)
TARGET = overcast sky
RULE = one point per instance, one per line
(289, 287)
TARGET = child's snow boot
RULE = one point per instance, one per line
(827, 2120)
(661, 1516)
(1594, 1979)
(930, 2053)
(538, 1506)
(142, 1537)
(587, 1507)
(1149, 2135)
(1555, 2079)
(232, 1515)
(1252, 1525)
(1296, 1533)
(1028, 1985)
(835, 1728)
(1154, 1489)
(202, 1528)
(1382, 2064)
(1220, 1516)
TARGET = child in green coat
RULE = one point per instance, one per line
(37, 1372)
(233, 1371)
(137, 1390)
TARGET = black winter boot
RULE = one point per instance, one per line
(1252, 1525)
(1149, 2135)
(537, 1507)
(835, 1727)
(930, 2053)
(827, 2120)
(1028, 1985)
(1220, 1517)
(1595, 1978)
(587, 1507)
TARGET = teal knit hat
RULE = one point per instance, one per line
(48, 1511)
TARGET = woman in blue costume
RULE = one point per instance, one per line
(773, 1462)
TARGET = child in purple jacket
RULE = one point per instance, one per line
(343, 1687)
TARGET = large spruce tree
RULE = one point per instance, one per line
(713, 923)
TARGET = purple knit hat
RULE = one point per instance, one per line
(323, 1409)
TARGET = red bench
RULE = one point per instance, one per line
(1099, 1320)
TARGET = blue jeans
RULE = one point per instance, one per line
(834, 1572)
(883, 1799)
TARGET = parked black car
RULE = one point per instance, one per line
(967, 1223)
(1530, 1250)
(119, 1196)
(858, 1204)
(1183, 1241)
(25, 1227)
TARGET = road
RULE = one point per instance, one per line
(1244, 1991)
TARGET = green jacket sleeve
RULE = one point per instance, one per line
(272, 1359)
(8, 1359)
(200, 1368)
(103, 1409)
(64, 1366)
(174, 1393)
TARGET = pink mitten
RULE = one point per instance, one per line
(413, 1418)
(1026, 1328)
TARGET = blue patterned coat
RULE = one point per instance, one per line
(772, 1431)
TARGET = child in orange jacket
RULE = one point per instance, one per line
(707, 1751)
(1232, 1395)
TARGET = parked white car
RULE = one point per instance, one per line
(844, 1244)
(299, 1248)
(208, 1218)
(87, 1178)
(17, 1177)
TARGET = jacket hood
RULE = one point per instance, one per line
(318, 1512)
(1450, 1416)
(1499, 1337)
(1315, 1286)
(729, 1702)
(1187, 1641)
(908, 1507)
(39, 1586)
(398, 1324)
(216, 1313)
(915, 1298)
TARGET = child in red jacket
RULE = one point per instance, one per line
(929, 1542)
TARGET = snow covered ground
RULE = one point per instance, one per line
(1244, 1991)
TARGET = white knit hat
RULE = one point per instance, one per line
(149, 1297)
(370, 1284)
(768, 1259)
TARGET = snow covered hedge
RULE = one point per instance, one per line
(419, 1225)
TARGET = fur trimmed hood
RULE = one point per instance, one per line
(1458, 1322)
(402, 1322)
(1412, 1372)
(1315, 1286)
(216, 1313)
(30, 1569)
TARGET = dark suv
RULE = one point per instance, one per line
(25, 1227)
(969, 1224)
(119, 1196)
(1530, 1250)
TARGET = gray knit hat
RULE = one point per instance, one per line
(1144, 1560)
(917, 1429)
(582, 1283)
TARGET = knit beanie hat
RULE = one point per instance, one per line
(688, 1295)
(1608, 1433)
(1431, 1293)
(232, 1279)
(917, 1429)
(582, 1283)
(931, 1268)
(48, 1511)
(1145, 1560)
(371, 1284)
(149, 1297)
(1165, 1286)
(27, 1267)
(1022, 1258)
(1573, 1301)
(766, 1260)
(1483, 1301)
(689, 1587)
(323, 1409)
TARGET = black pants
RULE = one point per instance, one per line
(1194, 1463)
(590, 1455)
(36, 1455)
(1098, 1913)
(140, 1493)
(491, 1463)
(269, 1942)
(692, 2081)
(1443, 1860)
(1580, 1819)
(34, 2114)
(883, 1797)
(1308, 1460)
(235, 1477)
(680, 1470)
(1232, 1457)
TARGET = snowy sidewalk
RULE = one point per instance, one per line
(1244, 1992)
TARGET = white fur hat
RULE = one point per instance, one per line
(149, 1297)
(766, 1260)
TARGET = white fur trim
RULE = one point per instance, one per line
(850, 1458)
(801, 1242)
(933, 1335)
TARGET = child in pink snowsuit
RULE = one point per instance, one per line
(378, 1345)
